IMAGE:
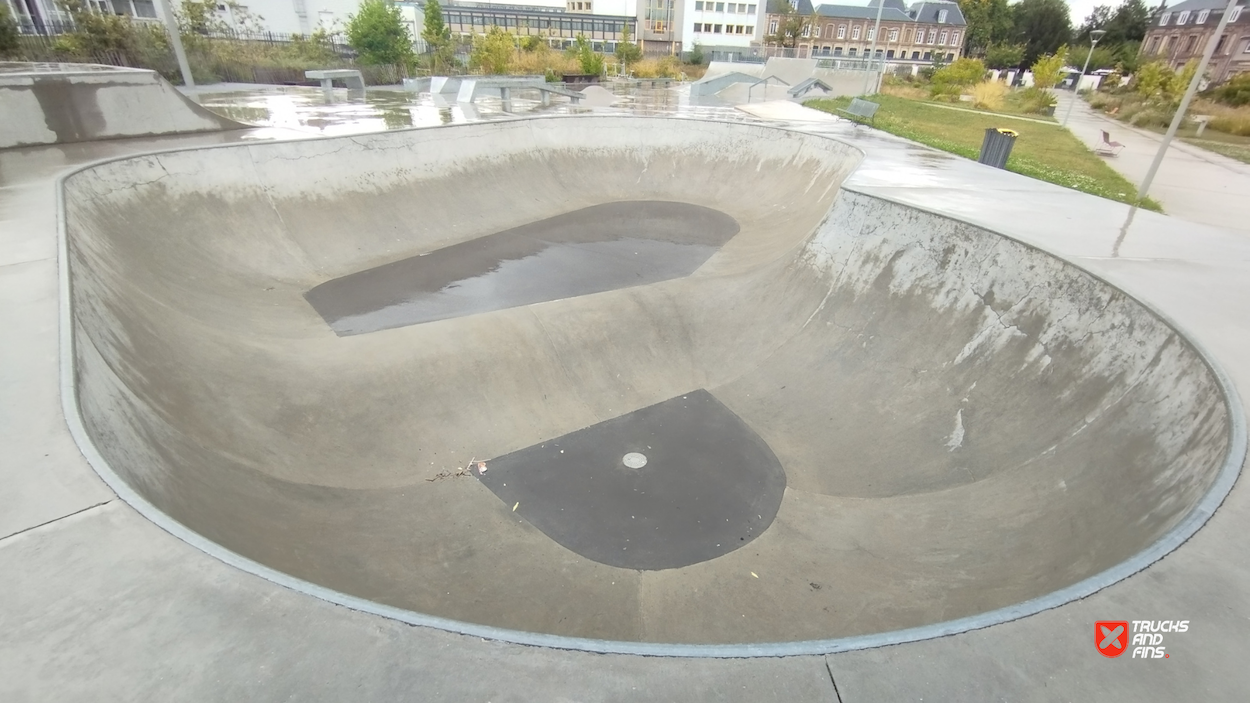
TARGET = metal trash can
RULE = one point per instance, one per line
(997, 147)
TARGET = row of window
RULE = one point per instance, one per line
(1191, 45)
(735, 8)
(728, 28)
(943, 38)
(881, 53)
(1183, 17)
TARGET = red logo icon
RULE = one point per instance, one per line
(1111, 637)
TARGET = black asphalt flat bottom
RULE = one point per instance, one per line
(710, 485)
(592, 250)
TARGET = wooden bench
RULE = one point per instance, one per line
(1108, 147)
(349, 76)
(861, 110)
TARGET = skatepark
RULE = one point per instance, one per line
(772, 385)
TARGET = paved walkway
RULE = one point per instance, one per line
(1192, 184)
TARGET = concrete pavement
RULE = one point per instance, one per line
(100, 604)
(1192, 183)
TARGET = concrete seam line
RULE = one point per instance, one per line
(55, 520)
(1178, 535)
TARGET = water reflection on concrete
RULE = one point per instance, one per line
(310, 110)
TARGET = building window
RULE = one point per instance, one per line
(750, 9)
(1218, 46)
(870, 34)
(889, 54)
(750, 29)
(698, 5)
(720, 7)
(932, 36)
(893, 35)
(828, 31)
(941, 16)
(716, 29)
(942, 38)
(915, 56)
(928, 56)
(855, 32)
(955, 38)
(850, 52)
(807, 30)
(1189, 46)
(841, 31)
(1236, 13)
(1202, 17)
(824, 51)
(1154, 46)
(1182, 18)
(772, 27)
(1163, 19)
(950, 57)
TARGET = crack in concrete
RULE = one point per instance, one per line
(54, 520)
(836, 694)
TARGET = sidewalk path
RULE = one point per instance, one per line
(1192, 183)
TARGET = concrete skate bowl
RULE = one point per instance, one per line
(857, 422)
(58, 103)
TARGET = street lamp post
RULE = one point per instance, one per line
(1094, 36)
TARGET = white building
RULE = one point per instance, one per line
(718, 27)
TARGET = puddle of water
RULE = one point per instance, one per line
(592, 250)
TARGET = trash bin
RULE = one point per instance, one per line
(997, 147)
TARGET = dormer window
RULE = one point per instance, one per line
(1202, 17)
(1164, 18)
(1236, 13)
(1182, 18)
(941, 16)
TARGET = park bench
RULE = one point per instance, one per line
(349, 76)
(1108, 147)
(861, 110)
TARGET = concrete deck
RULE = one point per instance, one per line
(101, 603)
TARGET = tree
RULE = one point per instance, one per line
(8, 32)
(950, 80)
(590, 60)
(1004, 56)
(1042, 26)
(789, 27)
(696, 54)
(1158, 83)
(989, 23)
(493, 52)
(1048, 69)
(627, 52)
(1100, 58)
(1099, 18)
(378, 34)
(1128, 23)
(437, 38)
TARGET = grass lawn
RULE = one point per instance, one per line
(1046, 152)
(1225, 145)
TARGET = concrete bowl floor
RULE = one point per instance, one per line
(903, 419)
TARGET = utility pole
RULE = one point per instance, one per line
(872, 53)
(175, 40)
(1189, 96)
(1076, 87)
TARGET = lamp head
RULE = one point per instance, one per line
(1097, 34)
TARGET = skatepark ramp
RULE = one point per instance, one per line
(62, 103)
(617, 378)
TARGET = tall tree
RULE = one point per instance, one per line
(378, 34)
(1042, 26)
(1099, 18)
(789, 27)
(1129, 22)
(437, 37)
(989, 23)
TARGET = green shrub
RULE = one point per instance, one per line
(8, 32)
(378, 34)
(1035, 100)
(1235, 92)
(590, 60)
(1048, 69)
(951, 80)
(493, 51)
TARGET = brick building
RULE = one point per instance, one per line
(921, 32)
(1181, 32)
